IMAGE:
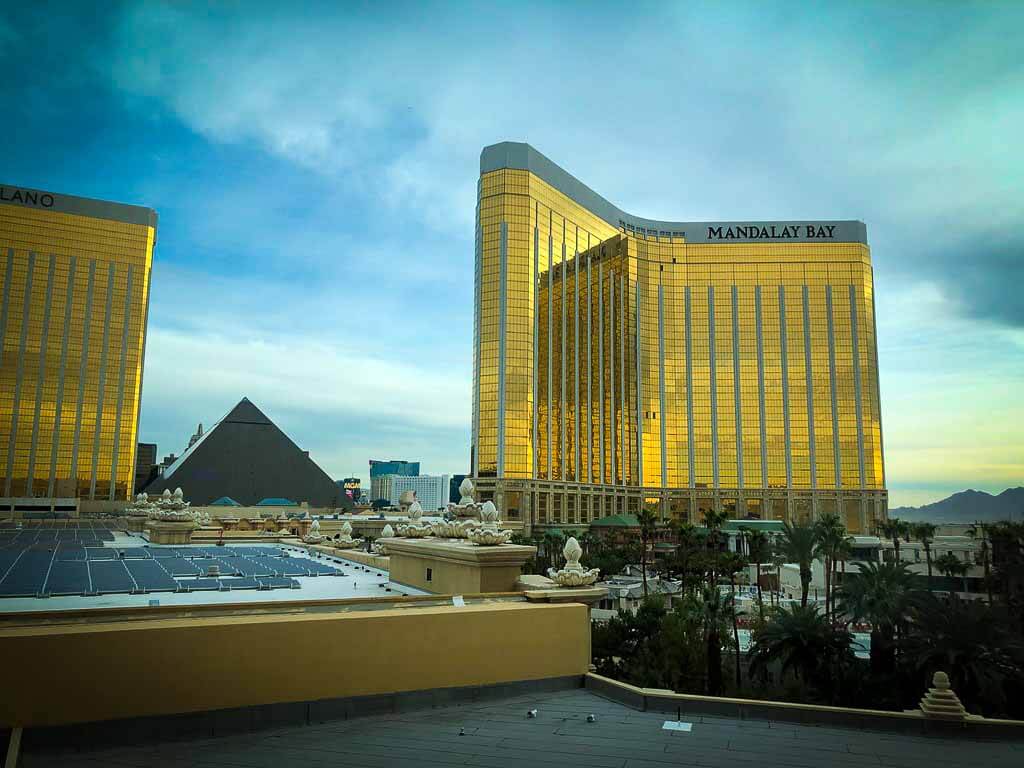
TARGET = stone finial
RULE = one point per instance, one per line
(489, 513)
(387, 532)
(178, 494)
(415, 511)
(572, 552)
(941, 702)
(166, 494)
(346, 528)
(574, 574)
(465, 492)
(145, 496)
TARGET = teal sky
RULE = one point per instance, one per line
(314, 169)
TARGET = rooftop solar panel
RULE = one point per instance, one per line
(101, 553)
(110, 576)
(134, 553)
(27, 575)
(68, 578)
(178, 566)
(278, 582)
(150, 576)
(69, 553)
(196, 585)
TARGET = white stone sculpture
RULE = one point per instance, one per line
(489, 533)
(387, 532)
(314, 536)
(416, 528)
(345, 541)
(574, 574)
(173, 509)
(941, 702)
(140, 507)
(467, 507)
(466, 492)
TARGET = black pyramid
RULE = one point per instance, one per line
(247, 457)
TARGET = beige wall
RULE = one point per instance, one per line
(76, 673)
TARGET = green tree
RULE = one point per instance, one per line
(732, 563)
(716, 609)
(893, 528)
(831, 535)
(925, 533)
(798, 544)
(759, 548)
(879, 594)
(980, 531)
(714, 521)
(970, 642)
(805, 644)
(648, 519)
(950, 565)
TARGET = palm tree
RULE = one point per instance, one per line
(950, 565)
(647, 518)
(925, 533)
(716, 608)
(760, 550)
(714, 521)
(687, 538)
(831, 533)
(797, 544)
(732, 563)
(879, 594)
(981, 530)
(966, 640)
(892, 528)
(805, 643)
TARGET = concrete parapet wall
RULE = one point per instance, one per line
(150, 667)
(689, 705)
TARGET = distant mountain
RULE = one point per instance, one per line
(966, 507)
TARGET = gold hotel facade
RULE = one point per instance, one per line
(621, 362)
(74, 275)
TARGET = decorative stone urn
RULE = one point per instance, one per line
(173, 508)
(140, 507)
(386, 533)
(345, 541)
(314, 536)
(415, 529)
(574, 574)
(467, 507)
(489, 533)
(941, 702)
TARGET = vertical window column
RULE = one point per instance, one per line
(502, 314)
(785, 386)
(19, 375)
(83, 367)
(809, 376)
(858, 406)
(68, 300)
(714, 385)
(40, 375)
(689, 383)
(760, 386)
(736, 385)
(120, 383)
(837, 456)
(661, 383)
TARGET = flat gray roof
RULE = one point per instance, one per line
(521, 156)
(498, 733)
(26, 197)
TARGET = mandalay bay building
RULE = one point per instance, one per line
(74, 276)
(621, 362)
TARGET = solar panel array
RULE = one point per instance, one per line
(73, 566)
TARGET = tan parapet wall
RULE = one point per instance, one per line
(120, 669)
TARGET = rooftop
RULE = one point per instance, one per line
(496, 732)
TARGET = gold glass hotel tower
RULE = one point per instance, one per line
(621, 362)
(74, 275)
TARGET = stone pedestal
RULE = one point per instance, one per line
(455, 567)
(165, 532)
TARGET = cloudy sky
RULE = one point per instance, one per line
(314, 168)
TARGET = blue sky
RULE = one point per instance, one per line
(314, 169)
